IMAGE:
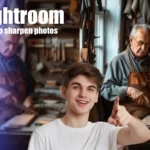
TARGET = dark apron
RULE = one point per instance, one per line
(140, 81)
(14, 83)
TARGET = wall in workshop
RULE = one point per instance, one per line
(112, 29)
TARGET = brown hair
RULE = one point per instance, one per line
(85, 69)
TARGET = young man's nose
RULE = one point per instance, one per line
(83, 93)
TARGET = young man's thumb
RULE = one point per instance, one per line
(111, 120)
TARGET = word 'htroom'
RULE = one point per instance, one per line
(17, 16)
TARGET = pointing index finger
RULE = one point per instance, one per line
(115, 107)
(116, 103)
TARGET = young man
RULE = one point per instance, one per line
(73, 131)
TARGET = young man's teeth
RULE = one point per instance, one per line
(82, 102)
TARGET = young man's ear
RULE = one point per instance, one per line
(63, 91)
(97, 97)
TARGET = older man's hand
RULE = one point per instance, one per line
(137, 96)
(28, 102)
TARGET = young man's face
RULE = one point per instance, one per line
(140, 43)
(81, 95)
(8, 44)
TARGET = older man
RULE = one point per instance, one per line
(128, 74)
(15, 81)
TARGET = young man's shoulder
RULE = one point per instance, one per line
(102, 124)
(47, 127)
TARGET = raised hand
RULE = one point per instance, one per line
(119, 115)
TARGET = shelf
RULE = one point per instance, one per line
(56, 56)
(49, 1)
(63, 26)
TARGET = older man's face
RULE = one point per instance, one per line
(8, 44)
(140, 43)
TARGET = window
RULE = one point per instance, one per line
(99, 32)
(99, 42)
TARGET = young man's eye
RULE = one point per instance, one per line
(75, 87)
(91, 90)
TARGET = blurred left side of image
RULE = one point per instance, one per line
(16, 83)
